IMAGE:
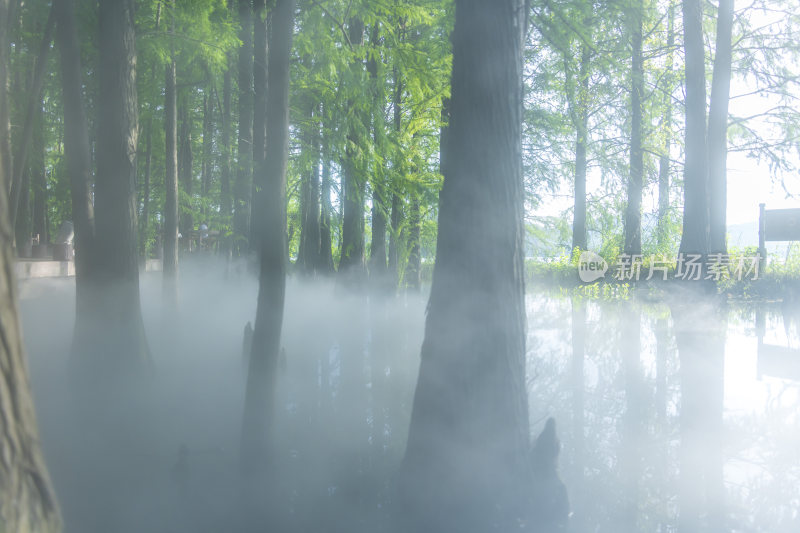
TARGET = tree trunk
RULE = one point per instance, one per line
(351, 262)
(116, 344)
(718, 131)
(377, 258)
(170, 260)
(35, 98)
(208, 129)
(414, 267)
(664, 159)
(325, 245)
(144, 220)
(396, 215)
(694, 239)
(581, 144)
(470, 415)
(272, 246)
(6, 168)
(308, 254)
(260, 52)
(185, 171)
(244, 169)
(633, 211)
(27, 500)
(40, 199)
(77, 152)
(225, 171)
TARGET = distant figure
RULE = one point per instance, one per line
(550, 500)
(180, 471)
(247, 345)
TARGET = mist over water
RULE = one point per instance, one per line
(645, 445)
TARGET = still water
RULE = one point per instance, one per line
(672, 417)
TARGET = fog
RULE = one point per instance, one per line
(646, 446)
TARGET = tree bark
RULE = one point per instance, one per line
(27, 500)
(325, 245)
(144, 220)
(260, 67)
(225, 170)
(470, 415)
(208, 134)
(185, 170)
(414, 267)
(116, 344)
(77, 152)
(718, 131)
(170, 259)
(272, 245)
(351, 262)
(35, 98)
(396, 215)
(664, 158)
(377, 258)
(6, 167)
(633, 211)
(581, 144)
(308, 254)
(694, 239)
(244, 170)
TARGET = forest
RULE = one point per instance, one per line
(399, 266)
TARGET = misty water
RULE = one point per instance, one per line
(653, 439)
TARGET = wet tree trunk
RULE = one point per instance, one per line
(633, 211)
(77, 152)
(694, 239)
(581, 144)
(260, 51)
(27, 500)
(664, 158)
(262, 373)
(244, 169)
(470, 416)
(40, 197)
(170, 260)
(351, 262)
(116, 342)
(718, 131)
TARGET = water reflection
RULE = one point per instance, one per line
(673, 416)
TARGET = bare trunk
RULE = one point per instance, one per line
(581, 144)
(260, 52)
(185, 170)
(325, 245)
(271, 234)
(244, 169)
(27, 500)
(470, 416)
(170, 259)
(664, 159)
(695, 172)
(718, 131)
(633, 211)
(144, 220)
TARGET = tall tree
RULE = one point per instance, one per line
(377, 257)
(171, 211)
(5, 115)
(77, 152)
(27, 500)
(117, 342)
(694, 239)
(470, 417)
(666, 126)
(271, 235)
(325, 237)
(244, 169)
(718, 131)
(185, 168)
(581, 122)
(633, 212)
(351, 261)
(260, 67)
